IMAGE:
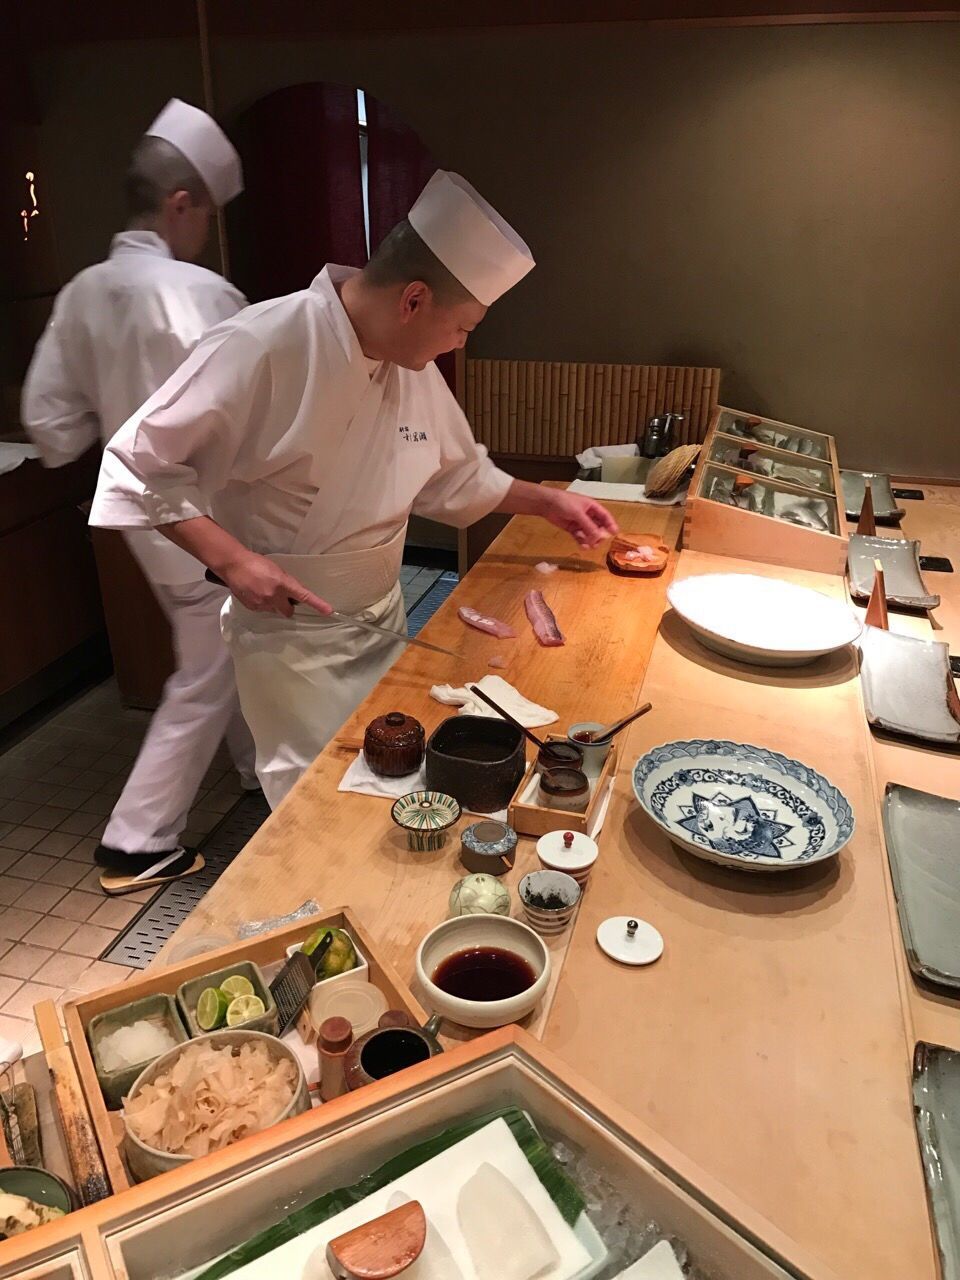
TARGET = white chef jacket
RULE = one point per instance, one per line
(278, 427)
(117, 332)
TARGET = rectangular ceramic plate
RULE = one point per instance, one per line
(908, 687)
(936, 1109)
(854, 484)
(901, 571)
(923, 837)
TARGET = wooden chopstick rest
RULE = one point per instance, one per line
(381, 1248)
(876, 615)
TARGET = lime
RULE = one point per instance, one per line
(211, 1009)
(311, 944)
(236, 985)
(340, 956)
(242, 1009)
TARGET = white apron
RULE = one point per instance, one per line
(300, 678)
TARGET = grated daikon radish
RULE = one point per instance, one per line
(142, 1041)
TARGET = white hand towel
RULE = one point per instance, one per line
(361, 779)
(529, 714)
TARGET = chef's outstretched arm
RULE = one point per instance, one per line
(255, 580)
(584, 519)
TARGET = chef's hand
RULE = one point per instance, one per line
(584, 519)
(262, 586)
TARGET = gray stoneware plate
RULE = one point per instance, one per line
(923, 839)
(936, 1110)
(908, 687)
(854, 484)
(900, 561)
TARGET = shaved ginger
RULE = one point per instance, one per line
(212, 1095)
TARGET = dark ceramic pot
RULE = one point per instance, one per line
(477, 760)
(393, 745)
(388, 1049)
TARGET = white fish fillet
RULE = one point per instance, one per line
(546, 567)
(483, 622)
(506, 1239)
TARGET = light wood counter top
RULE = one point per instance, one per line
(772, 1042)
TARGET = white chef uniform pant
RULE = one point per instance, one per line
(198, 709)
(301, 678)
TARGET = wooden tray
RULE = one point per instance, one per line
(530, 819)
(266, 949)
(200, 1211)
(725, 530)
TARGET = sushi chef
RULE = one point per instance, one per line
(117, 332)
(289, 450)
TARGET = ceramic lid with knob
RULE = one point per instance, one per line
(567, 850)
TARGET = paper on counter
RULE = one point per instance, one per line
(610, 492)
(361, 779)
(594, 456)
(659, 1264)
(528, 713)
(436, 1184)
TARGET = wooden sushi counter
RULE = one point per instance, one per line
(771, 1044)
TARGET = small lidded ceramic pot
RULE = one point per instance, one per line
(488, 847)
(570, 852)
(393, 745)
(567, 789)
(561, 755)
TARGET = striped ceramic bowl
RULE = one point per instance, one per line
(556, 888)
(426, 817)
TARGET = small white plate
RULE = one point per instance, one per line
(765, 621)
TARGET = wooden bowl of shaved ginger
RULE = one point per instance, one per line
(207, 1093)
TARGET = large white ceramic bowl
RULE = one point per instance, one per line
(765, 621)
(742, 806)
(482, 931)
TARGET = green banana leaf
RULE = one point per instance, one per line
(561, 1190)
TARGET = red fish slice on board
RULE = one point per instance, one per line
(542, 620)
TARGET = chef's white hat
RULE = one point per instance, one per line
(469, 237)
(204, 144)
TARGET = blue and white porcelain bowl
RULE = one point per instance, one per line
(742, 806)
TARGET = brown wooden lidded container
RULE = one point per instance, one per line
(393, 745)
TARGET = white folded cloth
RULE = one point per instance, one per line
(595, 455)
(361, 779)
(529, 714)
(12, 454)
(614, 492)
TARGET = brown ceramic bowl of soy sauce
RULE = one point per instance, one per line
(483, 971)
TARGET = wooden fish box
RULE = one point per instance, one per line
(264, 950)
(800, 470)
(185, 1219)
(531, 819)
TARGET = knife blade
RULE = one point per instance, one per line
(350, 620)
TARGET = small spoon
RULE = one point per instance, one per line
(532, 737)
(599, 737)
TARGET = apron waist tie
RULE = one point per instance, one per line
(350, 581)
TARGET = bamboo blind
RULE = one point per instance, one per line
(553, 409)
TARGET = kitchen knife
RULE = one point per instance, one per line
(365, 626)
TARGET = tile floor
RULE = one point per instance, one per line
(57, 787)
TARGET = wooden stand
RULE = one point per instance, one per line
(267, 949)
(531, 819)
(867, 524)
(711, 525)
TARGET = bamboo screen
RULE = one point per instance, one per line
(551, 409)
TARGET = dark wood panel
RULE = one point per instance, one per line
(50, 591)
(32, 491)
(47, 22)
(140, 638)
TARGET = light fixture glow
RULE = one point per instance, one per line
(34, 210)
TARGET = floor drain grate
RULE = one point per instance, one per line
(441, 591)
(140, 942)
